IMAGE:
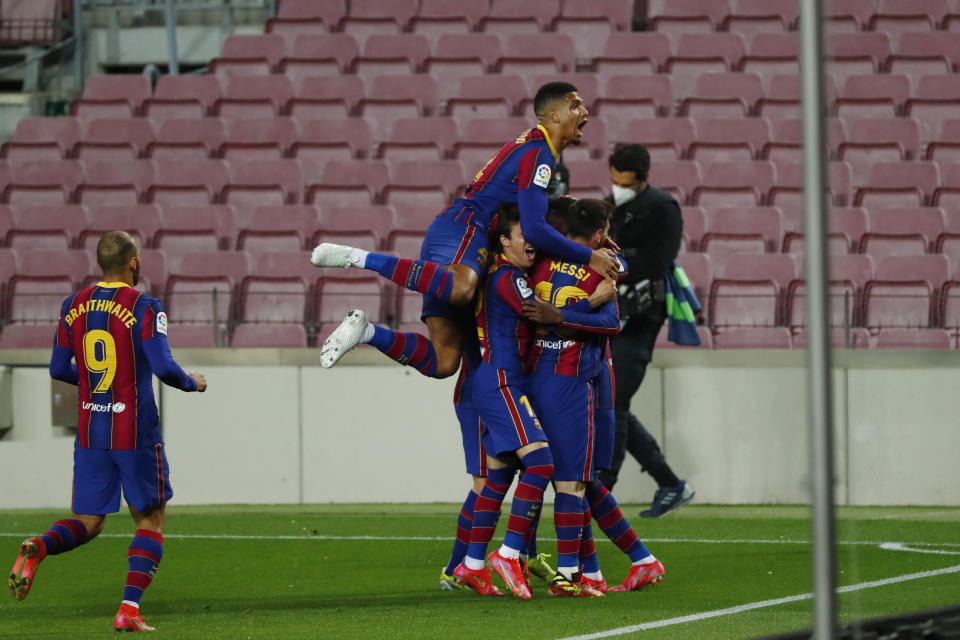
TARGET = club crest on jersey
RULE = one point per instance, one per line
(162, 323)
(522, 288)
(542, 176)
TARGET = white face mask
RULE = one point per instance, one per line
(622, 195)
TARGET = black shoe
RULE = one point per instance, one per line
(667, 499)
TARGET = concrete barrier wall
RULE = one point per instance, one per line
(280, 430)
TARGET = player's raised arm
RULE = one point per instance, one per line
(157, 350)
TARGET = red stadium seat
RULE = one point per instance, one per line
(857, 12)
(753, 17)
(336, 296)
(59, 133)
(285, 265)
(448, 175)
(702, 53)
(767, 221)
(753, 338)
(619, 12)
(781, 268)
(842, 297)
(116, 183)
(254, 97)
(437, 18)
(329, 11)
(267, 48)
(371, 175)
(187, 139)
(273, 300)
(190, 96)
(263, 183)
(218, 221)
(116, 139)
(312, 55)
(698, 268)
(687, 15)
(938, 339)
(433, 138)
(875, 45)
(935, 101)
(851, 221)
(880, 245)
(750, 135)
(71, 263)
(522, 13)
(684, 175)
(199, 308)
(897, 304)
(141, 221)
(391, 98)
(743, 303)
(734, 184)
(112, 96)
(523, 51)
(55, 227)
(930, 222)
(188, 183)
(258, 138)
(664, 138)
(718, 88)
(917, 179)
(273, 335)
(33, 310)
(949, 311)
(720, 246)
(639, 54)
(358, 226)
(855, 267)
(279, 228)
(933, 269)
(837, 243)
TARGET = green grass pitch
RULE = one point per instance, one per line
(371, 571)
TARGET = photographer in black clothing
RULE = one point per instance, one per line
(648, 226)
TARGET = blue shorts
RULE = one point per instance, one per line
(471, 428)
(605, 419)
(566, 405)
(509, 422)
(99, 474)
(451, 239)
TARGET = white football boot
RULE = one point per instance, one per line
(328, 254)
(344, 338)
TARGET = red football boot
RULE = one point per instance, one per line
(511, 573)
(641, 575)
(32, 551)
(129, 619)
(597, 585)
(479, 580)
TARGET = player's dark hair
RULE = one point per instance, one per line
(587, 216)
(507, 214)
(549, 93)
(114, 251)
(557, 212)
(632, 157)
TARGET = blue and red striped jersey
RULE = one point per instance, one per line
(503, 332)
(117, 336)
(575, 347)
(526, 162)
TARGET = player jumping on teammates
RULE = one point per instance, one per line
(454, 251)
(118, 337)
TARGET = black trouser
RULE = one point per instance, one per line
(631, 355)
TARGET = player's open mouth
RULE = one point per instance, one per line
(580, 126)
(530, 251)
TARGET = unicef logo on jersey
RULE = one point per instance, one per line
(93, 407)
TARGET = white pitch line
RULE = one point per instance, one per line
(216, 536)
(900, 546)
(697, 617)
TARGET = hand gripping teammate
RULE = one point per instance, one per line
(118, 337)
(453, 254)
